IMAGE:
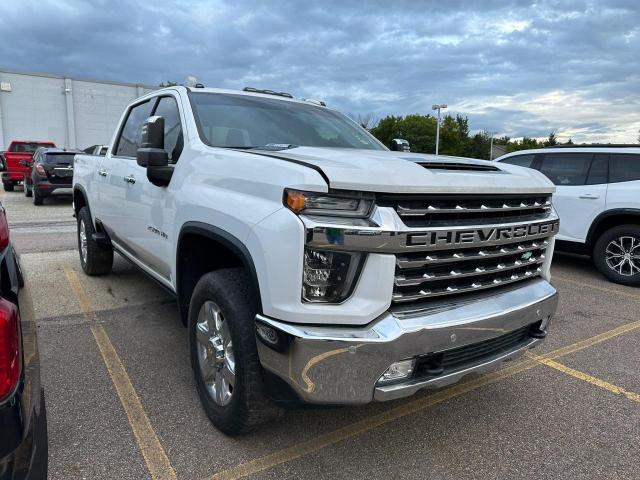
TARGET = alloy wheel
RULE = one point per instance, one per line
(215, 353)
(623, 255)
(83, 241)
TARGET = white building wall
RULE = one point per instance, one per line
(72, 113)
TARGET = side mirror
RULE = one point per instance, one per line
(23, 163)
(400, 145)
(151, 153)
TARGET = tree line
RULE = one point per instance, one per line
(455, 138)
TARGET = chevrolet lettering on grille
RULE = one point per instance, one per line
(481, 236)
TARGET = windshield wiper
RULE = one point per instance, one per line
(269, 147)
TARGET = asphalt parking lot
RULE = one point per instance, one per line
(122, 404)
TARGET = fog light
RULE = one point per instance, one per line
(271, 337)
(398, 371)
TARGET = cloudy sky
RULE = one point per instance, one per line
(514, 67)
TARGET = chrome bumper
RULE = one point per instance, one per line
(342, 365)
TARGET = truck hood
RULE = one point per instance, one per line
(399, 172)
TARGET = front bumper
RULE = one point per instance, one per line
(342, 365)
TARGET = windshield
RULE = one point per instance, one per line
(28, 147)
(243, 121)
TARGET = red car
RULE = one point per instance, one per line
(17, 160)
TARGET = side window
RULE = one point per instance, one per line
(566, 168)
(520, 160)
(131, 134)
(173, 140)
(624, 167)
(599, 171)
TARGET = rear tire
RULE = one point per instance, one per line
(617, 254)
(224, 356)
(95, 259)
(8, 186)
(38, 199)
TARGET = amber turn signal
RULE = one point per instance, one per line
(295, 201)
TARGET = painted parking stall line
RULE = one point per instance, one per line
(588, 378)
(154, 454)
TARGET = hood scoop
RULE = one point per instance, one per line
(456, 166)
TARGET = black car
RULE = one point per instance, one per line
(23, 419)
(50, 169)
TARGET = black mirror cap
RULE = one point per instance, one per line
(153, 133)
(400, 145)
(152, 157)
(160, 176)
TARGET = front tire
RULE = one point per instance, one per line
(95, 259)
(224, 357)
(617, 254)
(8, 186)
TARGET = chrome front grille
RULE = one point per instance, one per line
(455, 210)
(448, 268)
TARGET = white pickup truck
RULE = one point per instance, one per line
(308, 261)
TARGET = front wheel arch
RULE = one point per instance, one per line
(215, 249)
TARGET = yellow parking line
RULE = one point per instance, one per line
(633, 296)
(588, 378)
(313, 445)
(154, 455)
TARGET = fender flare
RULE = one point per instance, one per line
(609, 213)
(227, 240)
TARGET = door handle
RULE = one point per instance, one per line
(589, 196)
(102, 173)
(130, 179)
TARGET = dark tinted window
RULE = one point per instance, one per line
(53, 158)
(520, 160)
(566, 168)
(624, 167)
(599, 171)
(173, 141)
(132, 132)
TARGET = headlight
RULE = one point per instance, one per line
(328, 277)
(328, 204)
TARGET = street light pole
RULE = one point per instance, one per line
(438, 108)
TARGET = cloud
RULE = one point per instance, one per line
(515, 67)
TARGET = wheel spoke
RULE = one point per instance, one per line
(208, 370)
(202, 333)
(223, 330)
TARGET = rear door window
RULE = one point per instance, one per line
(624, 167)
(599, 171)
(131, 134)
(520, 160)
(566, 168)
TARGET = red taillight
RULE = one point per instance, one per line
(40, 170)
(4, 229)
(10, 355)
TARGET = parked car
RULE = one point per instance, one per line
(16, 159)
(50, 171)
(598, 201)
(23, 419)
(100, 150)
(364, 274)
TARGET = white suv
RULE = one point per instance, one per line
(598, 201)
